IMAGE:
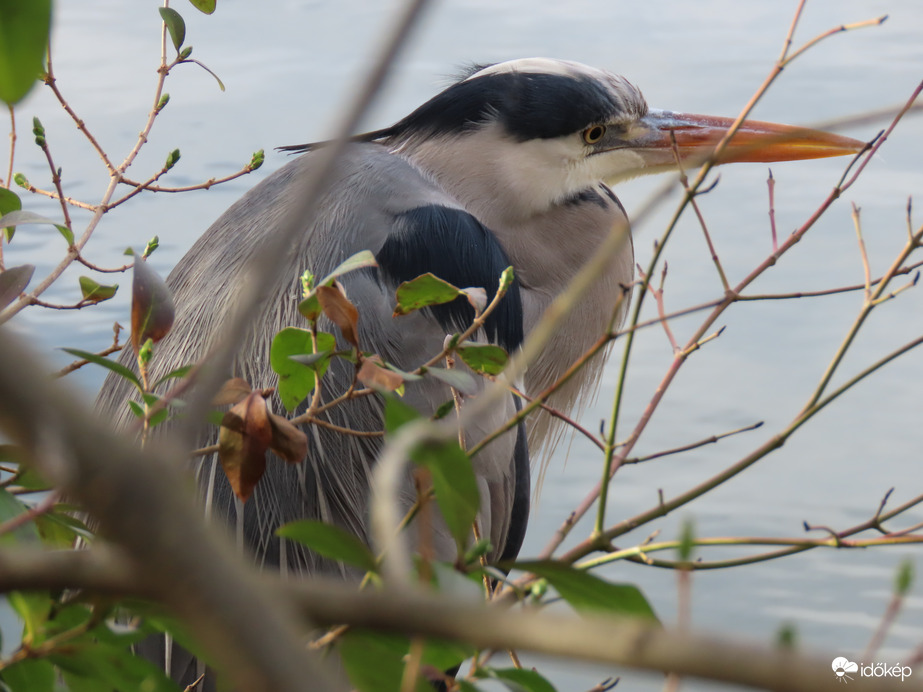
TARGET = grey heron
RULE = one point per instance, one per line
(509, 165)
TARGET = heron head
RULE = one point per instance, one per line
(546, 129)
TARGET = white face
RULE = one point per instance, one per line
(562, 166)
(548, 171)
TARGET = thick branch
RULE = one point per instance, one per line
(623, 642)
(139, 499)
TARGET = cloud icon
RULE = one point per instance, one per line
(842, 665)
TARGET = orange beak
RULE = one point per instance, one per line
(659, 136)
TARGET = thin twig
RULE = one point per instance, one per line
(863, 254)
(103, 270)
(149, 184)
(52, 84)
(684, 181)
(827, 292)
(54, 195)
(771, 185)
(694, 445)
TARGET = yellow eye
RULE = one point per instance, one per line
(593, 134)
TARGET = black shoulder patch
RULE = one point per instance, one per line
(456, 247)
(530, 106)
(519, 513)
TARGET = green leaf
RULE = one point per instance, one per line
(18, 217)
(13, 282)
(66, 233)
(454, 484)
(506, 278)
(588, 593)
(94, 291)
(522, 680)
(256, 160)
(33, 608)
(30, 675)
(106, 363)
(185, 54)
(204, 6)
(330, 541)
(26, 476)
(138, 409)
(161, 415)
(423, 291)
(787, 636)
(9, 201)
(296, 380)
(445, 408)
(310, 308)
(172, 159)
(60, 530)
(904, 579)
(686, 541)
(152, 245)
(10, 507)
(175, 25)
(485, 358)
(460, 380)
(375, 661)
(465, 686)
(397, 413)
(179, 373)
(24, 28)
(109, 668)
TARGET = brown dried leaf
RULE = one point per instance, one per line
(340, 311)
(233, 391)
(371, 374)
(288, 441)
(243, 439)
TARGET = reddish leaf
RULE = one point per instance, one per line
(340, 311)
(371, 374)
(288, 441)
(233, 391)
(243, 439)
(151, 306)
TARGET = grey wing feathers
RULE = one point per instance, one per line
(368, 202)
(370, 189)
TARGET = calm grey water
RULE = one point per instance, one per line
(289, 65)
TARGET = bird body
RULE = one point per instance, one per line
(381, 203)
(507, 166)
